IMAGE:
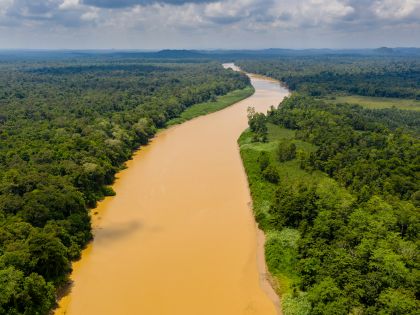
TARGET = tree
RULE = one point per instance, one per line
(271, 174)
(327, 298)
(397, 302)
(257, 124)
(263, 160)
(24, 295)
(286, 151)
(66, 128)
(49, 256)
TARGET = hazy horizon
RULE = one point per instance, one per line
(198, 49)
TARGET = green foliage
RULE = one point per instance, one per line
(398, 302)
(327, 298)
(257, 124)
(395, 77)
(281, 248)
(214, 105)
(108, 191)
(49, 255)
(378, 102)
(66, 128)
(264, 160)
(271, 174)
(344, 241)
(355, 148)
(286, 151)
(296, 304)
(24, 295)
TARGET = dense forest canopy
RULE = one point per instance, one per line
(386, 76)
(339, 199)
(335, 186)
(66, 128)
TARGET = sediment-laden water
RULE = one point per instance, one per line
(179, 238)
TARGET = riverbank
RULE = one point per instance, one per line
(180, 225)
(269, 283)
(277, 250)
(318, 216)
(219, 103)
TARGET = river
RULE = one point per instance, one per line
(179, 238)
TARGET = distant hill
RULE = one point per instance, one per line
(384, 51)
(218, 54)
(168, 53)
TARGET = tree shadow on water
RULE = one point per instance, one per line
(117, 232)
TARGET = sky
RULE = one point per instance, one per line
(208, 24)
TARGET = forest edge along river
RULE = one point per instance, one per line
(179, 237)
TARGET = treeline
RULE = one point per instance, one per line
(382, 76)
(345, 235)
(65, 130)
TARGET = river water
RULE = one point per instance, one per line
(179, 238)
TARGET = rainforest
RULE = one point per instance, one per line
(335, 184)
(98, 149)
(66, 129)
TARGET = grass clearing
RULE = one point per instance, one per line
(212, 106)
(378, 102)
(276, 133)
(280, 246)
(261, 190)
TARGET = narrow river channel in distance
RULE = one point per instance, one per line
(179, 238)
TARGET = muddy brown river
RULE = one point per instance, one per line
(179, 238)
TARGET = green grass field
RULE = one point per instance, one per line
(210, 107)
(261, 190)
(379, 102)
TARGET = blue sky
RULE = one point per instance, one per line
(207, 24)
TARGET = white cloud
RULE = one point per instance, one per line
(5, 4)
(69, 4)
(90, 16)
(391, 9)
(184, 19)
